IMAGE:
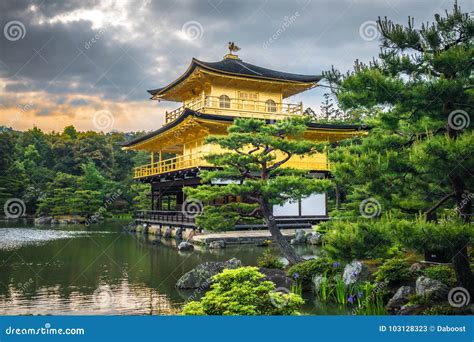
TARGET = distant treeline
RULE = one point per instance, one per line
(69, 173)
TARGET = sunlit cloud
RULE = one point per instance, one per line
(80, 57)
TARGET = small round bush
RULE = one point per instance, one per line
(394, 271)
(304, 272)
(268, 260)
(243, 291)
(444, 274)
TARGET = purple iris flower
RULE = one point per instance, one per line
(336, 264)
(296, 275)
(354, 274)
(359, 295)
(351, 299)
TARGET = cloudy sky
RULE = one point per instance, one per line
(89, 63)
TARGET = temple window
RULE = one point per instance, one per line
(270, 106)
(224, 101)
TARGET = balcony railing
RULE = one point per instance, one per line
(164, 217)
(237, 105)
(187, 161)
(172, 164)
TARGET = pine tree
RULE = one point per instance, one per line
(418, 156)
(252, 165)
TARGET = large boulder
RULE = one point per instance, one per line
(400, 298)
(200, 276)
(314, 238)
(300, 237)
(431, 287)
(43, 220)
(218, 244)
(278, 277)
(355, 272)
(185, 246)
(179, 234)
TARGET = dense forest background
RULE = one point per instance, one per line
(70, 173)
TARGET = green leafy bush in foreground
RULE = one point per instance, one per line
(306, 270)
(444, 274)
(394, 271)
(268, 260)
(242, 292)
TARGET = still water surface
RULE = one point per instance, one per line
(101, 270)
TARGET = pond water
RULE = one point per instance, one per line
(101, 270)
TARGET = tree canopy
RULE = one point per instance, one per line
(418, 155)
(252, 166)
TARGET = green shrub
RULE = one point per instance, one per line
(357, 240)
(444, 274)
(268, 260)
(394, 271)
(243, 292)
(425, 299)
(305, 271)
(446, 310)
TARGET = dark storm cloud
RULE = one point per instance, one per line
(119, 50)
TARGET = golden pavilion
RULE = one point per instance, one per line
(211, 95)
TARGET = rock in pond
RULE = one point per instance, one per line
(218, 244)
(185, 246)
(400, 298)
(167, 233)
(430, 287)
(43, 220)
(200, 276)
(300, 237)
(355, 272)
(179, 234)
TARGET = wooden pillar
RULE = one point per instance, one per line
(152, 198)
(179, 200)
(160, 206)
